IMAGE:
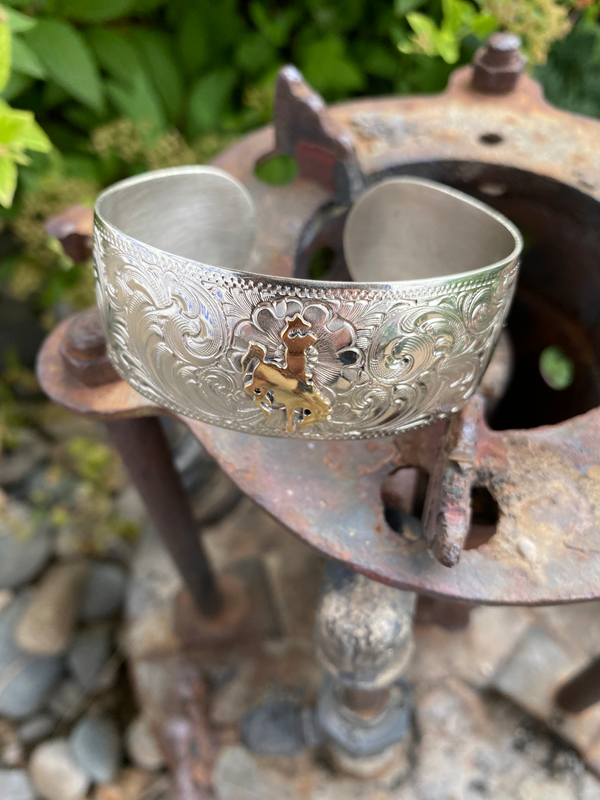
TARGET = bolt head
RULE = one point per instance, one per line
(498, 65)
(83, 350)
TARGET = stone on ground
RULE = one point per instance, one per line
(25, 679)
(24, 550)
(88, 655)
(55, 773)
(15, 785)
(142, 747)
(103, 591)
(96, 744)
(47, 625)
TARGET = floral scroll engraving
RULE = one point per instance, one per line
(198, 339)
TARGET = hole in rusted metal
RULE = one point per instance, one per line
(321, 262)
(276, 170)
(320, 251)
(403, 495)
(556, 300)
(556, 368)
(491, 138)
(484, 519)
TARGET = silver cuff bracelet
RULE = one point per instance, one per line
(404, 345)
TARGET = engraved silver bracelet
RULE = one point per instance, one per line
(403, 345)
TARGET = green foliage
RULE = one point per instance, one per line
(277, 170)
(121, 86)
(459, 20)
(67, 59)
(19, 131)
(571, 76)
(556, 368)
(538, 22)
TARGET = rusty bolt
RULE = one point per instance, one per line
(74, 230)
(498, 65)
(84, 350)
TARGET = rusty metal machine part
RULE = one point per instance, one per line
(84, 350)
(537, 473)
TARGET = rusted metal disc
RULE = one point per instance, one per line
(545, 480)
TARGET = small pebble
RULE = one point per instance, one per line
(25, 680)
(22, 557)
(103, 591)
(47, 624)
(142, 746)
(55, 773)
(15, 785)
(274, 729)
(88, 655)
(36, 728)
(130, 784)
(236, 777)
(22, 461)
(97, 747)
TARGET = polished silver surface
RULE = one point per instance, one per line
(409, 229)
(187, 328)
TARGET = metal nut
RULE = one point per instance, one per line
(498, 65)
(84, 350)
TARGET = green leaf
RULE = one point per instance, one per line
(34, 138)
(448, 46)
(19, 22)
(483, 25)
(194, 44)
(5, 49)
(54, 95)
(17, 84)
(139, 102)
(20, 131)
(145, 6)
(13, 124)
(18, 3)
(24, 60)
(255, 53)
(8, 180)
(275, 28)
(92, 10)
(160, 64)
(65, 54)
(456, 14)
(403, 7)
(331, 16)
(208, 100)
(326, 66)
(115, 53)
(379, 60)
(426, 30)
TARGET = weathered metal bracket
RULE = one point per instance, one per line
(305, 130)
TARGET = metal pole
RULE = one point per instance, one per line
(143, 447)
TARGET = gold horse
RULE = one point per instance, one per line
(290, 385)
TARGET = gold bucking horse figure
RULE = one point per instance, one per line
(289, 385)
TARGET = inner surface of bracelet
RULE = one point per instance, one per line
(402, 229)
(199, 213)
(411, 228)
